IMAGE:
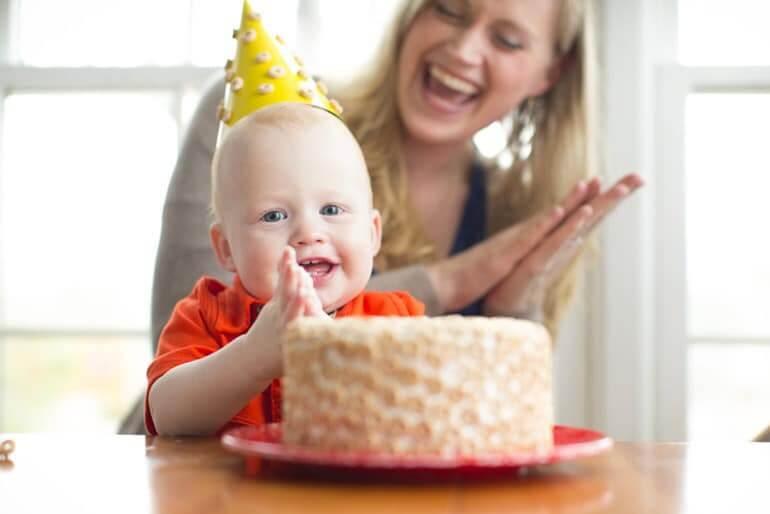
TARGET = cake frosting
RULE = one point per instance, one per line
(448, 385)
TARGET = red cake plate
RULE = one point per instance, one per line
(263, 444)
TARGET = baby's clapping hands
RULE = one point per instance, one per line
(294, 297)
(294, 293)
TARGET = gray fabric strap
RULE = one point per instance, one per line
(184, 251)
(413, 279)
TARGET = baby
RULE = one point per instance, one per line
(293, 219)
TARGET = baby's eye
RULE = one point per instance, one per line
(273, 216)
(331, 210)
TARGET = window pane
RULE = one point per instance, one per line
(84, 177)
(213, 22)
(349, 34)
(103, 33)
(727, 180)
(729, 390)
(715, 32)
(70, 384)
(335, 38)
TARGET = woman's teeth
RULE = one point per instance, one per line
(452, 82)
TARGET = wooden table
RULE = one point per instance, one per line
(93, 473)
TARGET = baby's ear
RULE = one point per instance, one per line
(221, 247)
(376, 232)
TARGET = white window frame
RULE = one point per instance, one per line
(15, 78)
(674, 85)
(634, 35)
(175, 80)
(639, 385)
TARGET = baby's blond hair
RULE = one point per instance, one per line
(282, 117)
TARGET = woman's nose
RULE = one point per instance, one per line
(467, 45)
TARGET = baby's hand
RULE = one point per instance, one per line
(294, 297)
(294, 293)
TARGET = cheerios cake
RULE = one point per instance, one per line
(448, 385)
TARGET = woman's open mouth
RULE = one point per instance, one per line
(446, 92)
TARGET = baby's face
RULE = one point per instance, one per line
(306, 187)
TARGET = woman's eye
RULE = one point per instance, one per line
(273, 216)
(452, 10)
(508, 43)
(331, 210)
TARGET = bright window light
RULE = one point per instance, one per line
(99, 33)
(719, 33)
(727, 180)
(84, 178)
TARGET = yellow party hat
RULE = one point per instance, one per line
(265, 72)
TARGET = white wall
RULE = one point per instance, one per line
(637, 37)
(608, 360)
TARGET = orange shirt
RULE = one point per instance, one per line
(214, 314)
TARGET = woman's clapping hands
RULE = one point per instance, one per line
(515, 267)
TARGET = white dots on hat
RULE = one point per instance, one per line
(276, 72)
(237, 84)
(249, 36)
(223, 113)
(306, 91)
(265, 89)
(336, 105)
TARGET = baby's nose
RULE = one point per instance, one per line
(308, 232)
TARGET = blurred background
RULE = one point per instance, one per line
(669, 340)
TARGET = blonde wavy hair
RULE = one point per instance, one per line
(563, 150)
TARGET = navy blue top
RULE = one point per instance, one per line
(473, 224)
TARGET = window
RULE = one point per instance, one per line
(727, 177)
(713, 33)
(725, 54)
(685, 88)
(92, 108)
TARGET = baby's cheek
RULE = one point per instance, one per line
(262, 276)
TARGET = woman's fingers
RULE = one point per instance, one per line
(522, 292)
(562, 244)
(524, 288)
(610, 199)
(546, 258)
(468, 276)
(523, 238)
(583, 192)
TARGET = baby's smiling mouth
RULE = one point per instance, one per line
(317, 266)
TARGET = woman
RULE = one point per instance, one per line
(460, 233)
(451, 68)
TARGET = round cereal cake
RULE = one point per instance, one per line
(449, 385)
